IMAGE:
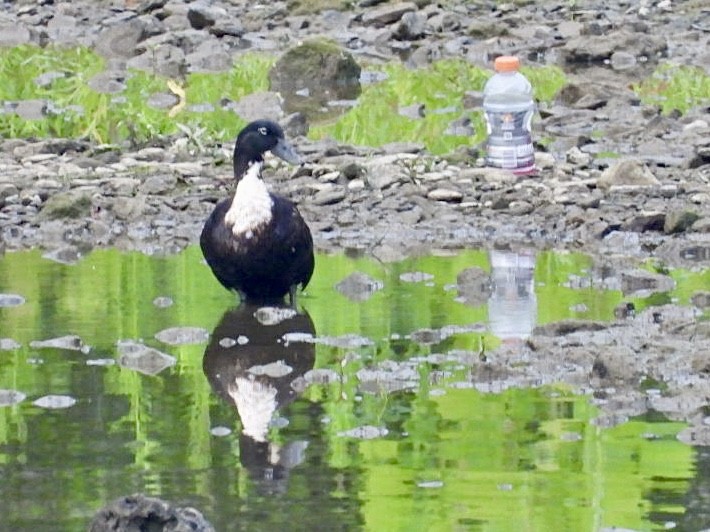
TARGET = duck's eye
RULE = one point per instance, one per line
(262, 130)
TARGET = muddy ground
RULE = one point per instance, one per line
(650, 200)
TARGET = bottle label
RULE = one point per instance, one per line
(509, 142)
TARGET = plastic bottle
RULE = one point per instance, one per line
(509, 107)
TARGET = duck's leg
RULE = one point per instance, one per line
(292, 295)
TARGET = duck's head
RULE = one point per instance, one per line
(257, 138)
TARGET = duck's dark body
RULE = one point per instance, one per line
(256, 242)
(278, 256)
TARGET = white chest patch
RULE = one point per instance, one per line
(251, 205)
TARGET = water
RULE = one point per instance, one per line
(386, 434)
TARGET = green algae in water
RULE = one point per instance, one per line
(452, 455)
(675, 87)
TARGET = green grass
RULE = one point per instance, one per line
(675, 87)
(376, 121)
(80, 112)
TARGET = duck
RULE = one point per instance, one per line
(256, 242)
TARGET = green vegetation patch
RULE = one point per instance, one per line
(440, 88)
(675, 87)
(60, 78)
(73, 109)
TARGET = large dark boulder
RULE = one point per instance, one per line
(313, 73)
(135, 513)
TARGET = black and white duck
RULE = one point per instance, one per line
(256, 242)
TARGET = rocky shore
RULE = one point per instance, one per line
(620, 180)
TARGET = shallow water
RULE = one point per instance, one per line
(363, 418)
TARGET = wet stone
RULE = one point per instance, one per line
(347, 341)
(359, 286)
(635, 281)
(366, 432)
(70, 342)
(678, 221)
(699, 299)
(321, 376)
(100, 362)
(183, 335)
(163, 302)
(144, 359)
(474, 286)
(415, 277)
(8, 344)
(388, 14)
(55, 401)
(220, 431)
(140, 512)
(628, 172)
(430, 484)
(11, 300)
(65, 255)
(11, 397)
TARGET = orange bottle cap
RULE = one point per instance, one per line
(507, 63)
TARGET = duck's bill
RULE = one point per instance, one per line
(285, 151)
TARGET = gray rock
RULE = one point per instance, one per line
(387, 14)
(474, 286)
(701, 299)
(70, 204)
(183, 335)
(8, 344)
(645, 221)
(108, 82)
(13, 33)
(627, 172)
(330, 196)
(209, 56)
(596, 49)
(445, 194)
(62, 29)
(565, 327)
(313, 73)
(366, 432)
(359, 286)
(259, 105)
(11, 300)
(164, 59)
(641, 281)
(11, 397)
(679, 220)
(202, 15)
(411, 26)
(32, 109)
(146, 360)
(158, 184)
(129, 208)
(139, 512)
(121, 40)
(69, 342)
(54, 402)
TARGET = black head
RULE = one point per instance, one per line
(257, 138)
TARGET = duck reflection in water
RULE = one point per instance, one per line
(252, 367)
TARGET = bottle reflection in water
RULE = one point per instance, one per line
(512, 306)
